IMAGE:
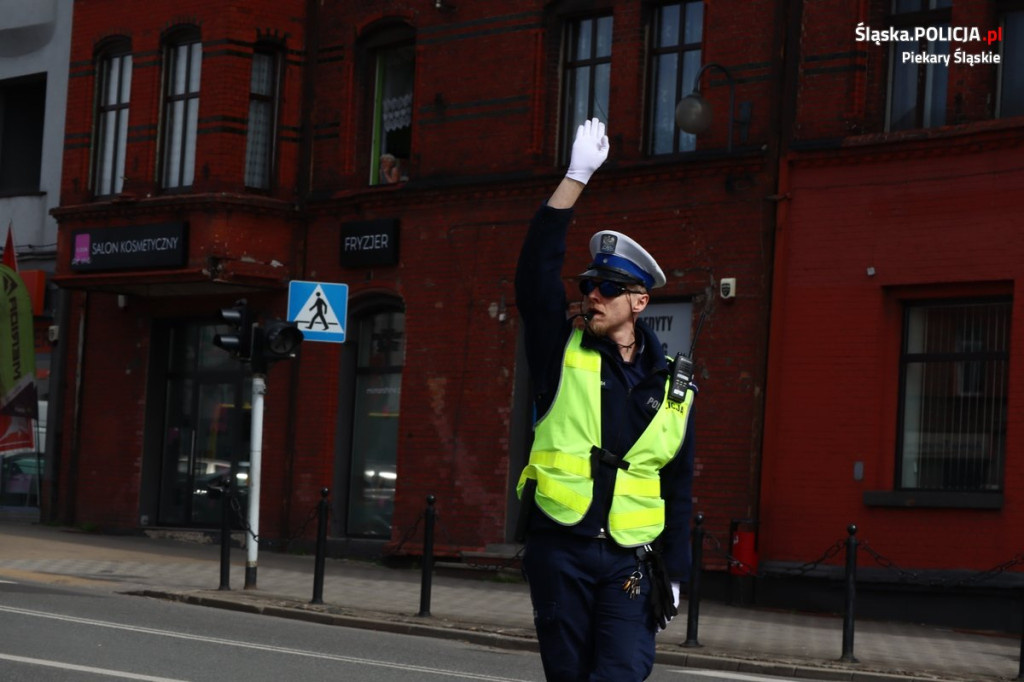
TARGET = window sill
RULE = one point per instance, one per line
(930, 499)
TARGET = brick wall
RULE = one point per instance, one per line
(487, 102)
(228, 34)
(931, 219)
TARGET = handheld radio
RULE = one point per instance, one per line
(682, 368)
(682, 374)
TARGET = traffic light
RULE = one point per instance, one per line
(238, 342)
(275, 340)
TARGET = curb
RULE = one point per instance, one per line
(524, 640)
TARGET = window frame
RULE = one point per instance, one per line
(27, 161)
(572, 65)
(960, 357)
(928, 14)
(188, 39)
(684, 80)
(108, 173)
(1004, 8)
(393, 38)
(267, 164)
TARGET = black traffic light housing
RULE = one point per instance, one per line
(238, 342)
(250, 341)
(274, 340)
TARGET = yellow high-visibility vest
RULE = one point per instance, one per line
(560, 460)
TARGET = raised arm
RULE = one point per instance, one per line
(589, 151)
(540, 292)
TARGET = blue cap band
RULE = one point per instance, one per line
(625, 266)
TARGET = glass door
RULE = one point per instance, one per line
(206, 429)
(380, 351)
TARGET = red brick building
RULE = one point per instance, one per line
(253, 148)
(892, 364)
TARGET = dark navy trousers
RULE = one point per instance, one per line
(588, 628)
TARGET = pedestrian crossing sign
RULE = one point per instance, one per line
(319, 310)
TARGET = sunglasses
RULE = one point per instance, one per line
(604, 287)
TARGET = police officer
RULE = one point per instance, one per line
(611, 466)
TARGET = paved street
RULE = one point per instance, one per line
(367, 595)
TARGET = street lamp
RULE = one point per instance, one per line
(694, 113)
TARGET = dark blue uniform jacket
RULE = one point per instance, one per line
(631, 394)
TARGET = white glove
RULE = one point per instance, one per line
(675, 594)
(589, 151)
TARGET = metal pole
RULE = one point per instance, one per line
(321, 549)
(428, 557)
(259, 389)
(225, 534)
(693, 598)
(1020, 662)
(851, 589)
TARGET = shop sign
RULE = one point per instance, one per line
(671, 322)
(369, 243)
(162, 245)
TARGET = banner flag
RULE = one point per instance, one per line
(18, 396)
(16, 435)
(10, 254)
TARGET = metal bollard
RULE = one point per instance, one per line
(321, 549)
(851, 589)
(428, 557)
(225, 534)
(693, 599)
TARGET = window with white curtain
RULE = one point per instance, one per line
(392, 113)
(113, 89)
(183, 54)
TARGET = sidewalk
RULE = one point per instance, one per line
(489, 611)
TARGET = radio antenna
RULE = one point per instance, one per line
(700, 323)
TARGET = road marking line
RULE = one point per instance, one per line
(725, 675)
(86, 669)
(259, 647)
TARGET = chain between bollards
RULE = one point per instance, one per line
(693, 596)
(321, 548)
(428, 556)
(851, 590)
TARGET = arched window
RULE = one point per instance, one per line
(586, 74)
(366, 467)
(183, 60)
(261, 136)
(675, 59)
(391, 62)
(113, 91)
